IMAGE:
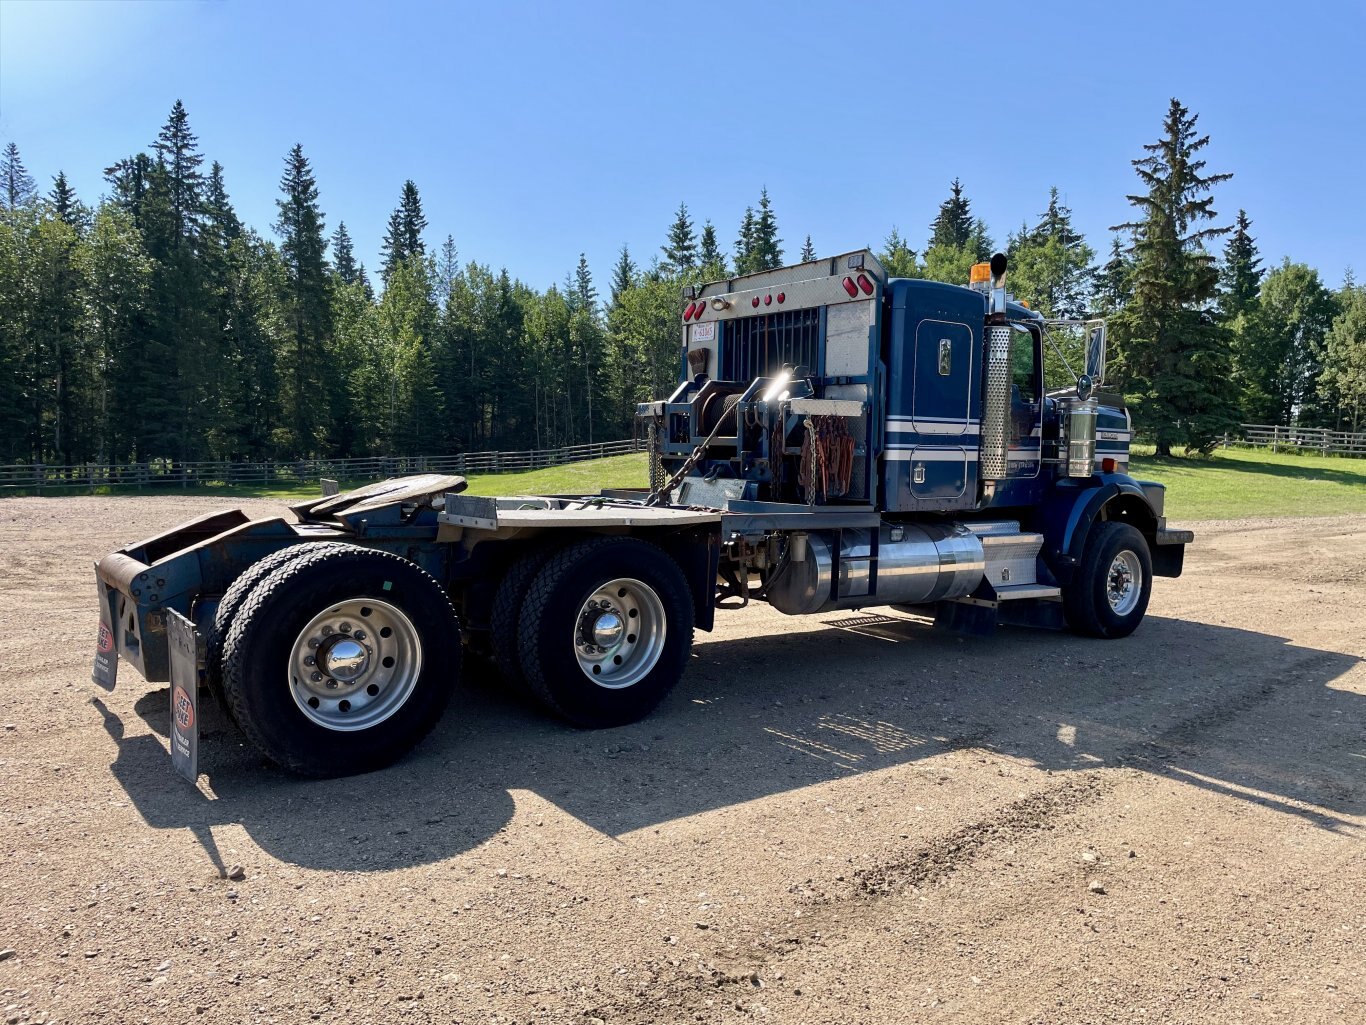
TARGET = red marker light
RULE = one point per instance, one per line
(768, 300)
(687, 314)
(782, 297)
(850, 287)
(1108, 465)
(754, 302)
(865, 284)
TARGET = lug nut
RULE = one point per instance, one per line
(332, 684)
(359, 635)
(326, 629)
(313, 642)
(309, 660)
(345, 628)
(315, 677)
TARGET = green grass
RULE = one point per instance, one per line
(1229, 484)
(1235, 483)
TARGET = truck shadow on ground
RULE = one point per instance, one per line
(1243, 714)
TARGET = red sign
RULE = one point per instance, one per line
(106, 639)
(184, 710)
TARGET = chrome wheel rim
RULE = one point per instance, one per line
(1124, 583)
(354, 665)
(619, 633)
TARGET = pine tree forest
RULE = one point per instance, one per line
(153, 324)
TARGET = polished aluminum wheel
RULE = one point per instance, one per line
(1124, 582)
(355, 664)
(619, 633)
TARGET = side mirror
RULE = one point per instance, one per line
(1095, 352)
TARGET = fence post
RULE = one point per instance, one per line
(38, 476)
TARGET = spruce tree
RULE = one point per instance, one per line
(808, 250)
(414, 223)
(585, 294)
(403, 236)
(767, 252)
(218, 211)
(623, 275)
(344, 255)
(306, 302)
(16, 184)
(64, 201)
(1050, 264)
(1113, 288)
(1173, 354)
(177, 148)
(448, 267)
(680, 251)
(953, 225)
(1240, 277)
(744, 245)
(897, 258)
(710, 256)
(392, 252)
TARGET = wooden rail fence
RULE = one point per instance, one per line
(1300, 439)
(39, 477)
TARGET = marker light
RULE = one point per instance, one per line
(754, 302)
(865, 284)
(687, 314)
(850, 287)
(980, 273)
(782, 296)
(1108, 465)
(768, 300)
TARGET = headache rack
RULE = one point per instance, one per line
(762, 345)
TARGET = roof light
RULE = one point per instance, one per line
(980, 272)
(754, 302)
(850, 287)
(782, 297)
(768, 300)
(865, 284)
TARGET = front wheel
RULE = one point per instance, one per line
(605, 632)
(1109, 594)
(341, 660)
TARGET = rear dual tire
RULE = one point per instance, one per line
(605, 630)
(340, 660)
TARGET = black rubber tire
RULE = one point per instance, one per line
(256, 655)
(232, 601)
(556, 595)
(505, 615)
(1085, 601)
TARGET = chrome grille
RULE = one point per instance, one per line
(760, 346)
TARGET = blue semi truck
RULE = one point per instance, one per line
(838, 439)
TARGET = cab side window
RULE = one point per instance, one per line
(1024, 376)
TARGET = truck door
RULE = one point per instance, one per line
(941, 410)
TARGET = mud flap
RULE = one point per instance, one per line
(105, 671)
(187, 655)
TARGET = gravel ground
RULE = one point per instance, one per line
(843, 818)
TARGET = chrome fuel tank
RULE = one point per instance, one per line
(895, 564)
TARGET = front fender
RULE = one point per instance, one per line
(1067, 515)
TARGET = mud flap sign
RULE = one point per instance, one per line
(184, 642)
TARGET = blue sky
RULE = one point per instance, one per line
(537, 130)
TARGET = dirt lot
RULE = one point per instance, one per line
(839, 819)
